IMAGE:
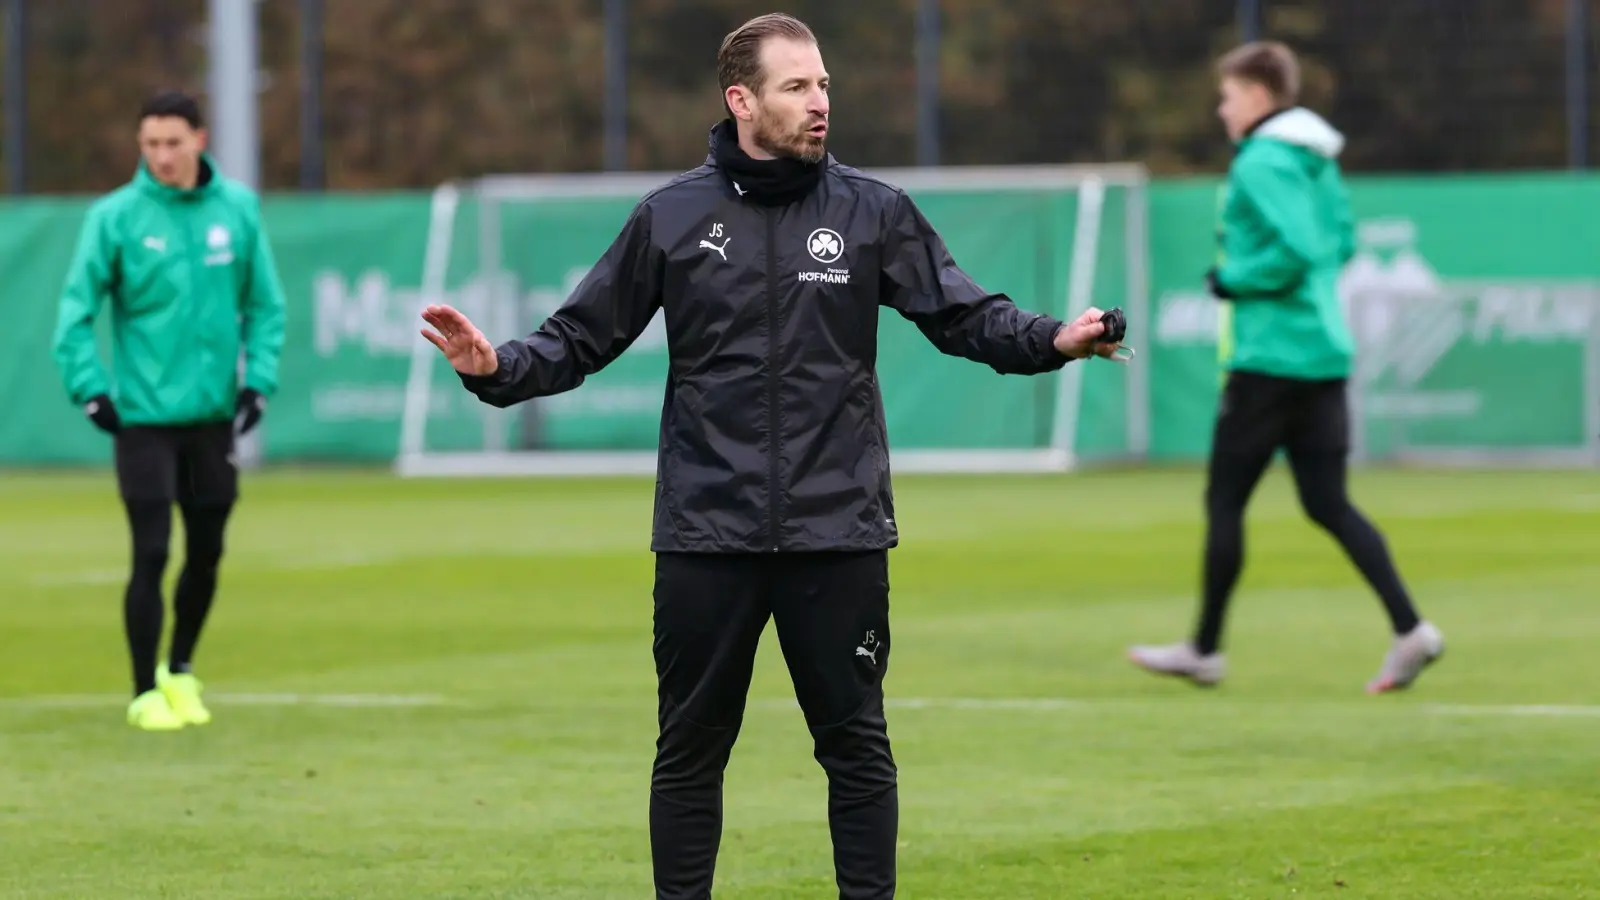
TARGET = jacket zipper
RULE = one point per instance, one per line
(772, 381)
(195, 249)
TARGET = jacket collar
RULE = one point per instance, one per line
(205, 184)
(1256, 125)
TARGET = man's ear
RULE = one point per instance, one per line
(738, 98)
(202, 137)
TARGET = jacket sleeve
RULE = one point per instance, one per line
(90, 281)
(606, 313)
(921, 281)
(1280, 193)
(1346, 220)
(264, 312)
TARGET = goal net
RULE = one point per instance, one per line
(508, 250)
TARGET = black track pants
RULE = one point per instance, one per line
(831, 613)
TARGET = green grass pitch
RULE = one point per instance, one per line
(444, 690)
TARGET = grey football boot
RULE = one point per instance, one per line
(1407, 657)
(1180, 660)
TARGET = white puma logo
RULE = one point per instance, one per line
(721, 251)
(869, 654)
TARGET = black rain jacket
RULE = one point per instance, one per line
(772, 428)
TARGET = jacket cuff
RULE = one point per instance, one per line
(1219, 288)
(84, 395)
(1044, 331)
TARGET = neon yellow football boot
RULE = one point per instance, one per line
(150, 711)
(182, 691)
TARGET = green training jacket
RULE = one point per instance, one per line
(1285, 232)
(189, 278)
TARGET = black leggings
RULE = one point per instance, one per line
(150, 522)
(1320, 479)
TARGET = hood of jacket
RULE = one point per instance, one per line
(1302, 128)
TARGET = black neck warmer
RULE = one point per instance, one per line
(770, 182)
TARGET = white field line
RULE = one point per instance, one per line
(1027, 704)
(1067, 704)
(333, 561)
(348, 701)
(81, 577)
(1537, 711)
(308, 563)
(974, 704)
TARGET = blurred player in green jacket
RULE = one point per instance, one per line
(1285, 233)
(179, 261)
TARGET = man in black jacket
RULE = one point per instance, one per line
(770, 263)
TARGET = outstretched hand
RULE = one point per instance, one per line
(468, 351)
(1077, 338)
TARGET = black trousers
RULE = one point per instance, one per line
(1310, 421)
(831, 612)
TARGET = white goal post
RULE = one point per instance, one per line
(482, 437)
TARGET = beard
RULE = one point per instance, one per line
(781, 141)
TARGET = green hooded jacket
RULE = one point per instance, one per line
(1285, 233)
(189, 278)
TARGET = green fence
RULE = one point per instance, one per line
(1475, 301)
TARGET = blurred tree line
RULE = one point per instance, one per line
(418, 91)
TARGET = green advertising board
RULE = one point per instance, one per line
(1474, 300)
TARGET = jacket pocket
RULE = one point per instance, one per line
(877, 441)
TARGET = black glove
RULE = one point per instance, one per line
(103, 413)
(1217, 288)
(248, 414)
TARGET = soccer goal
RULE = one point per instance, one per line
(508, 250)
